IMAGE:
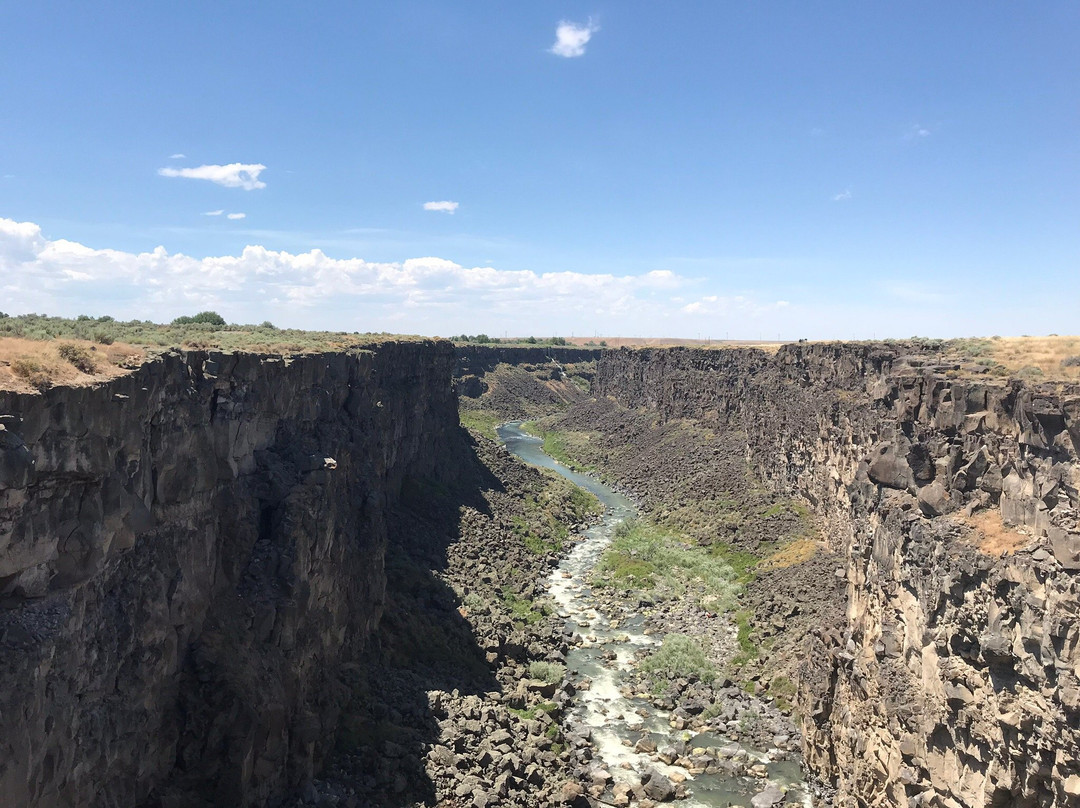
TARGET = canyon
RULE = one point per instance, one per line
(950, 502)
(201, 559)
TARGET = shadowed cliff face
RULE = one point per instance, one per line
(188, 553)
(953, 679)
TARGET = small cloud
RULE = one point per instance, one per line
(236, 216)
(233, 175)
(916, 132)
(571, 38)
(719, 305)
(441, 207)
(843, 196)
(177, 156)
(213, 213)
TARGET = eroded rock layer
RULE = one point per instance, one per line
(952, 500)
(187, 556)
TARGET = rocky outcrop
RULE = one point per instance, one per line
(476, 360)
(522, 383)
(188, 556)
(953, 501)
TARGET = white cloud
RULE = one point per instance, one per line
(843, 196)
(916, 132)
(237, 216)
(213, 213)
(571, 38)
(233, 175)
(425, 295)
(442, 207)
(719, 306)
(436, 296)
(177, 156)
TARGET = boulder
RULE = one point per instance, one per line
(658, 787)
(570, 792)
(772, 795)
(1066, 547)
(889, 468)
(935, 499)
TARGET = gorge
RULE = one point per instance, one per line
(243, 579)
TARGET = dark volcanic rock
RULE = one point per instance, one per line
(189, 555)
(952, 504)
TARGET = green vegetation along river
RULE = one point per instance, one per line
(633, 740)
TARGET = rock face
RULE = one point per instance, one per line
(187, 556)
(476, 360)
(954, 504)
(523, 382)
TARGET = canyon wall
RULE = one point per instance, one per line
(953, 497)
(479, 359)
(188, 554)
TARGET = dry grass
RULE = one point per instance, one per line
(992, 536)
(1044, 353)
(27, 365)
(797, 552)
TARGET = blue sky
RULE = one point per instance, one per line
(670, 169)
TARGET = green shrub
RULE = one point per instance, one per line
(973, 347)
(36, 374)
(749, 721)
(748, 649)
(550, 672)
(103, 338)
(644, 556)
(473, 602)
(679, 656)
(78, 356)
(783, 690)
(207, 317)
(522, 609)
(533, 712)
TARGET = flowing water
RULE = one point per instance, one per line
(617, 722)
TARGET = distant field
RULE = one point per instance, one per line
(29, 364)
(672, 342)
(37, 352)
(1046, 353)
(1054, 358)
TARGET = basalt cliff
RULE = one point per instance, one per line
(188, 554)
(952, 502)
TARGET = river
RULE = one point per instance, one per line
(605, 653)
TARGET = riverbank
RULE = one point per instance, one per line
(675, 733)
